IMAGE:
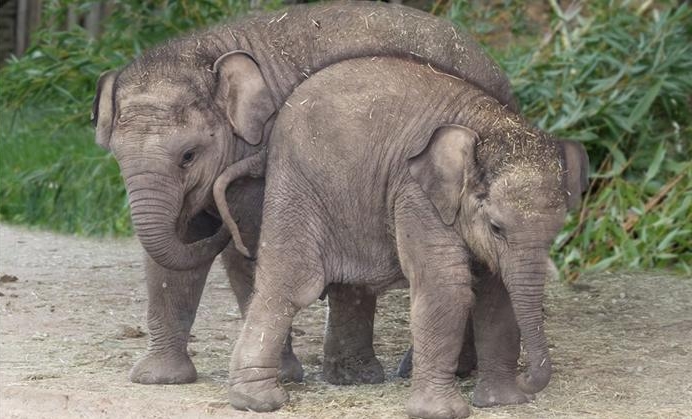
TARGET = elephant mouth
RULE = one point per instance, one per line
(202, 225)
(174, 239)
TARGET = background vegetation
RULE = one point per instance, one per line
(615, 75)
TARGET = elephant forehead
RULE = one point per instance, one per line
(154, 105)
(160, 113)
(141, 133)
(530, 191)
(159, 98)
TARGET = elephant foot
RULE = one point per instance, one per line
(257, 396)
(499, 393)
(163, 368)
(291, 371)
(348, 370)
(437, 403)
(467, 363)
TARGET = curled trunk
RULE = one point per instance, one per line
(155, 214)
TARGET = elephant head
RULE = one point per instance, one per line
(173, 129)
(507, 193)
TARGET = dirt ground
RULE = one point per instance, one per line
(72, 322)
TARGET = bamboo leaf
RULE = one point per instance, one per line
(644, 104)
(655, 165)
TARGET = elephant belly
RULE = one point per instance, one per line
(369, 263)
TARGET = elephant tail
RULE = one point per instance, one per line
(252, 166)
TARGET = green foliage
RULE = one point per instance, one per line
(51, 172)
(618, 79)
(52, 175)
(613, 75)
(62, 66)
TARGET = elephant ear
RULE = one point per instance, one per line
(245, 94)
(443, 167)
(102, 108)
(576, 166)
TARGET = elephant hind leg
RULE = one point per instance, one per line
(290, 369)
(468, 361)
(241, 271)
(257, 356)
(289, 276)
(349, 357)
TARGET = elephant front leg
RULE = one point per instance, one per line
(349, 357)
(172, 306)
(436, 265)
(438, 317)
(498, 344)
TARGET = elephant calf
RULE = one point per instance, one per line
(178, 115)
(404, 175)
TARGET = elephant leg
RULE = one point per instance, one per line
(437, 319)
(436, 265)
(497, 340)
(467, 357)
(349, 357)
(172, 306)
(240, 272)
(406, 364)
(173, 298)
(254, 368)
(247, 196)
(285, 284)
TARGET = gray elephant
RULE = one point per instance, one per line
(402, 175)
(172, 119)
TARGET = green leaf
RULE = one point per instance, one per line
(655, 165)
(619, 162)
(644, 104)
(603, 264)
(665, 243)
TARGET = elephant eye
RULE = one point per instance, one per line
(496, 229)
(187, 158)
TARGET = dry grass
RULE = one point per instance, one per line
(621, 343)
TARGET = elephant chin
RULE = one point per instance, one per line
(155, 215)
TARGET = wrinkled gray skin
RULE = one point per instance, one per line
(404, 176)
(177, 116)
(467, 358)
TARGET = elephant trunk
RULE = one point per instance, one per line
(525, 280)
(156, 210)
